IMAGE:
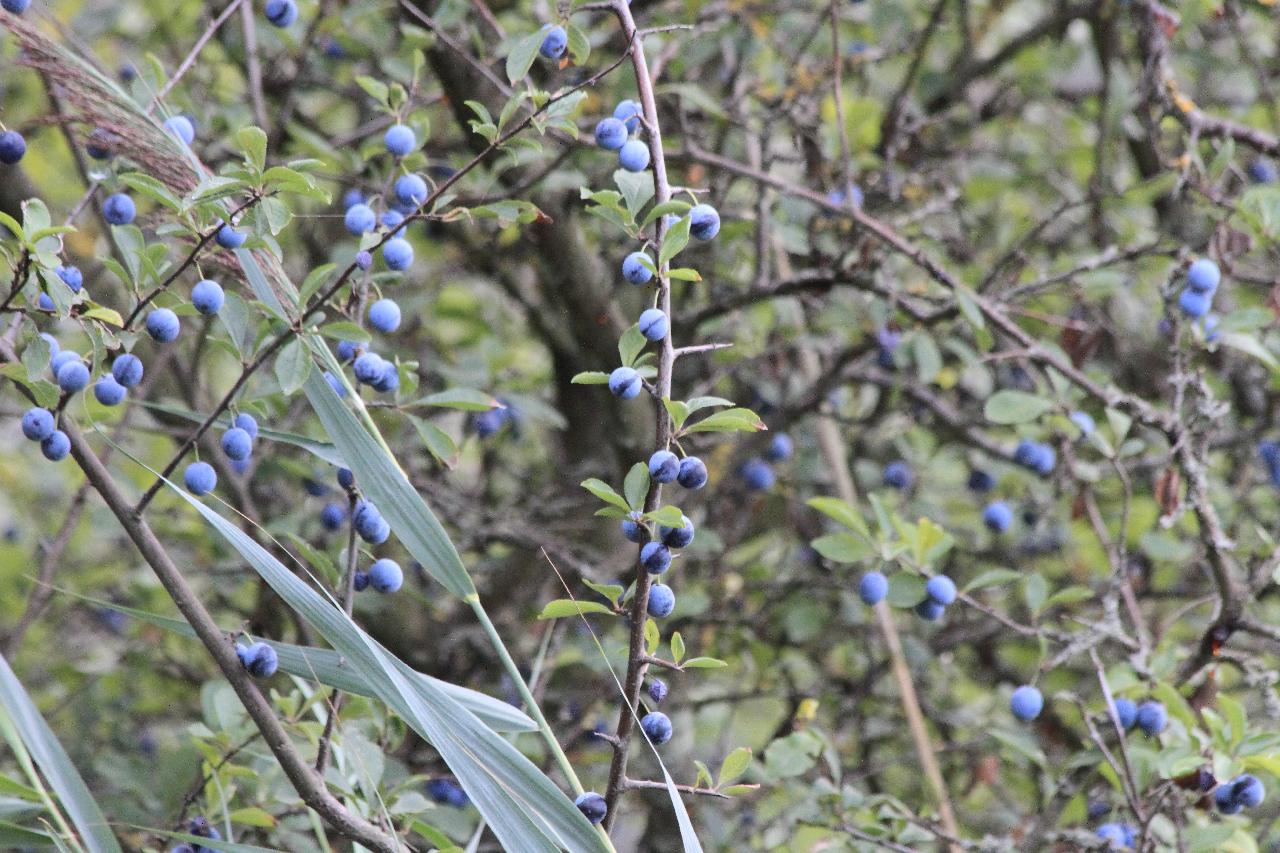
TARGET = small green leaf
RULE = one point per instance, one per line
(677, 237)
(293, 365)
(843, 547)
(253, 142)
(562, 607)
(344, 330)
(734, 765)
(652, 636)
(677, 647)
(605, 492)
(522, 55)
(703, 663)
(591, 377)
(1015, 407)
(667, 516)
(679, 208)
(729, 420)
(842, 512)
(992, 577)
(905, 589)
(611, 591)
(636, 486)
(630, 345)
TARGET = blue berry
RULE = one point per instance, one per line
(677, 537)
(163, 325)
(38, 424)
(207, 297)
(259, 659)
(637, 268)
(1194, 305)
(384, 315)
(997, 516)
(634, 156)
(363, 260)
(693, 473)
(61, 358)
(400, 140)
(73, 376)
(345, 478)
(229, 238)
(237, 444)
(368, 368)
(411, 190)
(55, 446)
(1203, 276)
(127, 370)
(391, 220)
(592, 806)
(655, 557)
(12, 146)
(389, 379)
(181, 128)
(1026, 703)
(1126, 713)
(873, 588)
(360, 218)
(398, 254)
(119, 209)
(897, 475)
(657, 726)
(1225, 800)
(1261, 171)
(336, 384)
(661, 601)
(657, 690)
(45, 303)
(611, 134)
(71, 276)
(664, 466)
(780, 448)
(704, 222)
(1116, 835)
(554, 42)
(1248, 791)
(653, 324)
(1152, 718)
(108, 391)
(758, 475)
(625, 383)
(281, 13)
(351, 198)
(941, 589)
(248, 423)
(360, 580)
(488, 423)
(930, 610)
(16, 7)
(369, 523)
(385, 575)
(332, 515)
(1084, 421)
(200, 478)
(634, 530)
(629, 113)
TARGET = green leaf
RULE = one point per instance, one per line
(110, 316)
(591, 377)
(611, 591)
(345, 330)
(636, 485)
(376, 89)
(677, 647)
(636, 188)
(679, 208)
(253, 142)
(465, 399)
(562, 607)
(928, 359)
(522, 55)
(673, 243)
(842, 512)
(684, 274)
(22, 721)
(630, 346)
(843, 547)
(1250, 345)
(729, 420)
(605, 492)
(733, 766)
(151, 188)
(667, 516)
(992, 577)
(293, 365)
(1015, 407)
(703, 663)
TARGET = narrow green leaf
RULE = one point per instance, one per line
(636, 485)
(1015, 407)
(605, 492)
(562, 607)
